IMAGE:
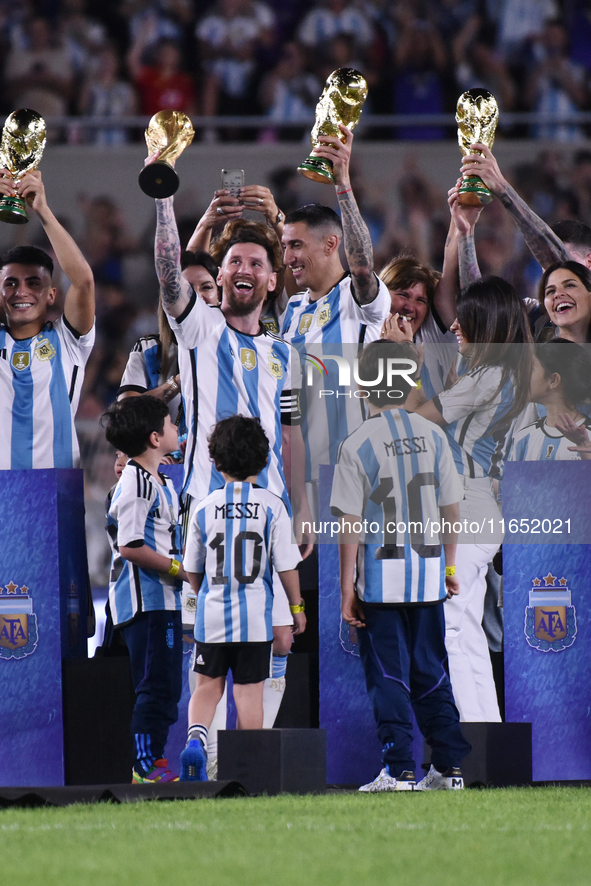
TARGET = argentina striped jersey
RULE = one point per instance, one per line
(143, 511)
(538, 442)
(332, 326)
(238, 537)
(40, 383)
(395, 472)
(225, 372)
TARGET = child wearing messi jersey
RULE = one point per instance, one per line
(396, 480)
(238, 536)
(147, 575)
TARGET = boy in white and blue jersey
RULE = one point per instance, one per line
(147, 575)
(395, 487)
(238, 536)
(42, 362)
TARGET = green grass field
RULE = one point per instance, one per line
(511, 836)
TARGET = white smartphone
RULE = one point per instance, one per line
(233, 180)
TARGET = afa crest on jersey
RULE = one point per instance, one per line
(18, 622)
(271, 324)
(45, 350)
(305, 323)
(248, 358)
(323, 315)
(550, 618)
(274, 364)
(21, 360)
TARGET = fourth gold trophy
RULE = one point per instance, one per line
(168, 134)
(341, 102)
(476, 115)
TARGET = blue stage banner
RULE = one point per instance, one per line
(43, 584)
(546, 603)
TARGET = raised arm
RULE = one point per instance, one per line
(543, 243)
(79, 303)
(358, 246)
(464, 219)
(174, 289)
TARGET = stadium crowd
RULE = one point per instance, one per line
(237, 57)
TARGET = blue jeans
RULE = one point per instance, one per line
(403, 653)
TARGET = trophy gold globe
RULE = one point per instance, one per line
(21, 148)
(341, 102)
(477, 114)
(169, 133)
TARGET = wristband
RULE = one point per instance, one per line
(418, 384)
(450, 571)
(301, 607)
(346, 191)
(174, 567)
(172, 384)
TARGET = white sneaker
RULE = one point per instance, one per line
(450, 780)
(212, 769)
(406, 781)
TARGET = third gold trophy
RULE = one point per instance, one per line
(341, 102)
(21, 148)
(477, 114)
(169, 133)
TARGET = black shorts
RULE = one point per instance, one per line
(249, 662)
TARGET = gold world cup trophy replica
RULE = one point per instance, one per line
(477, 115)
(341, 102)
(21, 148)
(169, 132)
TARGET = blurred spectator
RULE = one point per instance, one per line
(289, 92)
(555, 85)
(83, 35)
(106, 239)
(421, 64)
(151, 21)
(478, 64)
(580, 181)
(40, 76)
(105, 94)
(162, 84)
(334, 17)
(230, 39)
(519, 22)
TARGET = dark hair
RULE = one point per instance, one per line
(200, 259)
(574, 232)
(572, 362)
(405, 271)
(128, 423)
(239, 446)
(317, 217)
(575, 267)
(27, 255)
(493, 319)
(243, 231)
(372, 367)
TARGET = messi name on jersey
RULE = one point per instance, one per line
(237, 510)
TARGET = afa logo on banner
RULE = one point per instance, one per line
(550, 618)
(18, 622)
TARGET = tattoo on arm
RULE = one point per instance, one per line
(358, 249)
(469, 270)
(545, 246)
(167, 255)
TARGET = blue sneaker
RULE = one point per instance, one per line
(193, 762)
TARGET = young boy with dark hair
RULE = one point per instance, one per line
(396, 492)
(238, 536)
(147, 575)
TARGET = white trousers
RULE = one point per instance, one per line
(467, 648)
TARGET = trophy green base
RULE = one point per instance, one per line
(13, 211)
(158, 180)
(473, 192)
(318, 169)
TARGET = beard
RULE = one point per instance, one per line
(243, 307)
